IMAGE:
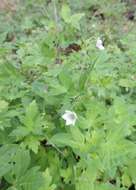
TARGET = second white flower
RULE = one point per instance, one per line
(99, 44)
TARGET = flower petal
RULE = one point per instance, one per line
(70, 117)
(99, 44)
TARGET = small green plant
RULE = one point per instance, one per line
(67, 96)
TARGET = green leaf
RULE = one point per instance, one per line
(132, 170)
(71, 19)
(12, 188)
(19, 132)
(74, 20)
(127, 83)
(21, 176)
(5, 137)
(3, 105)
(31, 113)
(8, 71)
(47, 51)
(39, 88)
(32, 143)
(7, 153)
(77, 135)
(32, 118)
(75, 140)
(66, 13)
(88, 176)
(48, 181)
(61, 139)
(22, 161)
(57, 89)
(107, 186)
(66, 79)
(32, 180)
(126, 181)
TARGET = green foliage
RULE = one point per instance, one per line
(71, 19)
(50, 65)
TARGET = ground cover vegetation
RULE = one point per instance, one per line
(67, 95)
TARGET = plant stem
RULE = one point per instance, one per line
(55, 13)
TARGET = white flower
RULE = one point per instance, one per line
(70, 117)
(99, 44)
